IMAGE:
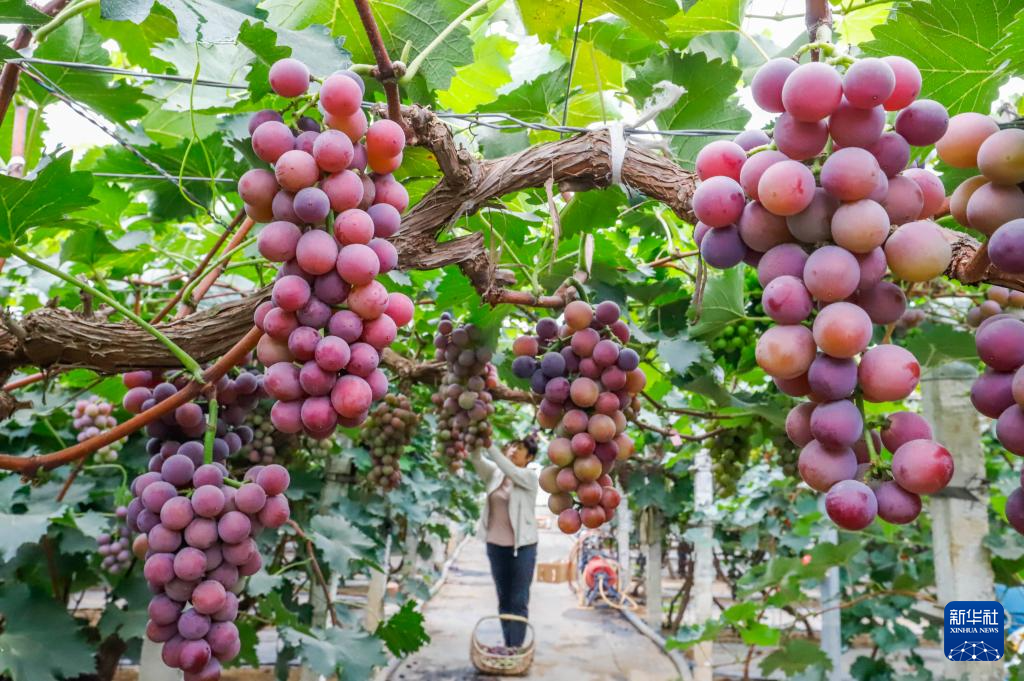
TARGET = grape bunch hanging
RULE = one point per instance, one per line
(198, 526)
(588, 382)
(90, 418)
(115, 546)
(992, 202)
(329, 220)
(386, 433)
(997, 299)
(998, 392)
(464, 399)
(812, 207)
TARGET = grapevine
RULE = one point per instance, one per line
(811, 207)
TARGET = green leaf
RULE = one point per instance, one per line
(538, 99)
(340, 541)
(134, 11)
(53, 193)
(263, 43)
(796, 655)
(350, 654)
(403, 633)
(937, 344)
(478, 83)
(705, 16)
(21, 12)
(959, 60)
(587, 210)
(681, 353)
(612, 35)
(415, 22)
(16, 530)
(76, 41)
(550, 18)
(723, 303)
(709, 101)
(41, 641)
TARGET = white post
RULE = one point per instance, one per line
(831, 617)
(623, 528)
(653, 584)
(377, 591)
(337, 468)
(151, 665)
(963, 570)
(703, 564)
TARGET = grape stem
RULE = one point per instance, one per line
(186, 360)
(72, 10)
(231, 482)
(764, 147)
(211, 431)
(28, 466)
(417, 62)
(873, 456)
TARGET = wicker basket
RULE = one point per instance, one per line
(487, 662)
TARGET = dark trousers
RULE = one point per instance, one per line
(512, 576)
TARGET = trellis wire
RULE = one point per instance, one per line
(483, 119)
(55, 90)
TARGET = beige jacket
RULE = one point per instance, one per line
(522, 497)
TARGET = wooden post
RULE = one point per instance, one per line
(703, 564)
(963, 569)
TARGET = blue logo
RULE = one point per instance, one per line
(973, 631)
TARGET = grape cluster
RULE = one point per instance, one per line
(386, 433)
(589, 383)
(815, 221)
(730, 454)
(90, 418)
(115, 546)
(997, 298)
(267, 442)
(463, 399)
(991, 202)
(998, 392)
(329, 317)
(182, 431)
(199, 533)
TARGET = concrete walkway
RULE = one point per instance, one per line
(582, 645)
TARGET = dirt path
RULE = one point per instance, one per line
(582, 645)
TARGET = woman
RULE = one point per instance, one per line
(508, 523)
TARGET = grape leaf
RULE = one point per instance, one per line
(959, 60)
(681, 353)
(220, 62)
(536, 100)
(41, 641)
(19, 529)
(705, 16)
(414, 22)
(340, 541)
(350, 654)
(937, 344)
(551, 18)
(477, 83)
(76, 41)
(612, 35)
(21, 12)
(794, 656)
(53, 193)
(723, 303)
(709, 100)
(134, 11)
(403, 632)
